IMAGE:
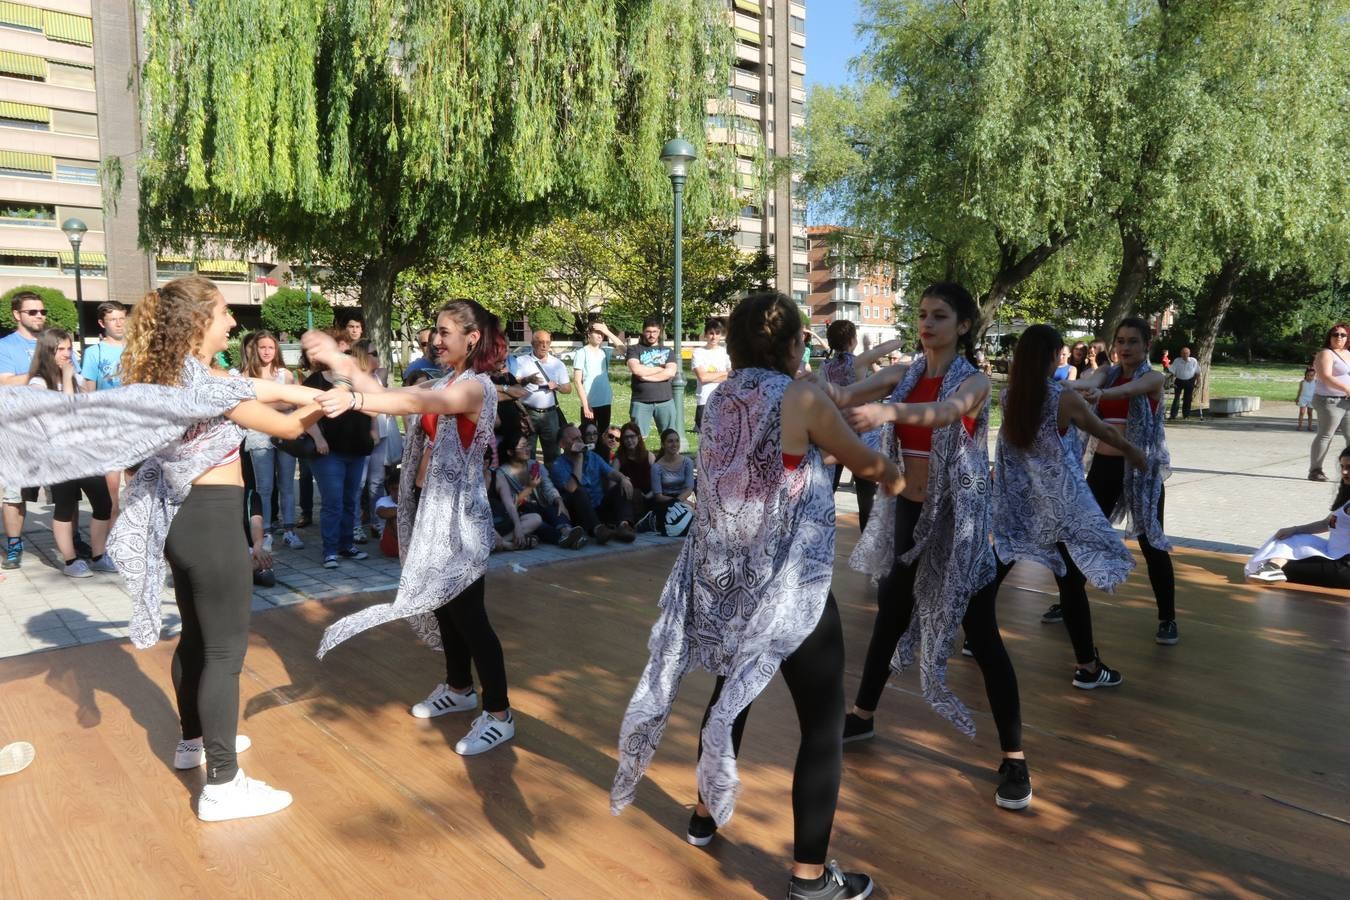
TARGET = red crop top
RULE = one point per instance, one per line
(1114, 410)
(917, 440)
(466, 428)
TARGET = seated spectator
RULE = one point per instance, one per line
(672, 478)
(526, 493)
(634, 460)
(386, 510)
(1302, 555)
(598, 497)
(609, 444)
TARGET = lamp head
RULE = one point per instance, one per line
(677, 154)
(74, 230)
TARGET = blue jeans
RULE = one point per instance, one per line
(644, 413)
(339, 479)
(263, 462)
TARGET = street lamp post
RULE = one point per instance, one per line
(309, 299)
(677, 154)
(75, 230)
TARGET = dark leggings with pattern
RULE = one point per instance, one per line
(467, 635)
(1106, 480)
(815, 678)
(895, 608)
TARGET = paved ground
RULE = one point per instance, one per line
(1234, 482)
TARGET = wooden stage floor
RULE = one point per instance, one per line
(1221, 767)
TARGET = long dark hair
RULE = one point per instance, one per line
(966, 309)
(44, 357)
(1036, 354)
(1342, 489)
(487, 354)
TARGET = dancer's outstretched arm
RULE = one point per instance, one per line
(874, 387)
(966, 400)
(809, 417)
(1073, 408)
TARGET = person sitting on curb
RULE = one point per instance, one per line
(528, 497)
(581, 475)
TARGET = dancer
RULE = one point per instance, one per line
(1128, 395)
(444, 533)
(931, 551)
(1301, 555)
(1043, 510)
(750, 591)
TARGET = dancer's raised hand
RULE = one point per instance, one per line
(321, 348)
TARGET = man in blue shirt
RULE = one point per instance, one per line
(427, 361)
(598, 497)
(101, 363)
(16, 355)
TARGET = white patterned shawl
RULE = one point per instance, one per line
(90, 434)
(748, 587)
(954, 525)
(1042, 499)
(445, 538)
(1137, 509)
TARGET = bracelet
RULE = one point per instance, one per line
(360, 400)
(352, 404)
(342, 381)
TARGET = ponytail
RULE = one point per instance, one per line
(489, 351)
(1033, 358)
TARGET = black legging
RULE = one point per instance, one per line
(1073, 600)
(866, 492)
(895, 608)
(66, 498)
(1319, 571)
(814, 674)
(212, 583)
(1106, 480)
(466, 634)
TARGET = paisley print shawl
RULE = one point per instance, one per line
(748, 587)
(1137, 509)
(444, 538)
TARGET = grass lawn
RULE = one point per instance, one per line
(621, 381)
(1269, 381)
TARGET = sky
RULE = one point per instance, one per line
(830, 40)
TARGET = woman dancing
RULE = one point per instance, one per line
(445, 531)
(931, 550)
(1301, 555)
(750, 591)
(1043, 510)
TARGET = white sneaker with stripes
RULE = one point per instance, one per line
(443, 700)
(487, 732)
(191, 754)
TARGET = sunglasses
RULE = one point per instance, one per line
(1338, 334)
(32, 312)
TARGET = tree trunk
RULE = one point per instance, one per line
(1210, 310)
(1130, 280)
(377, 303)
(1014, 268)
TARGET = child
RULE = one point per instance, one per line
(386, 510)
(1305, 398)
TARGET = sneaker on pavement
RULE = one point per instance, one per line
(77, 569)
(625, 534)
(1052, 615)
(856, 728)
(701, 829)
(487, 732)
(13, 555)
(353, 553)
(15, 757)
(292, 540)
(575, 538)
(833, 885)
(1014, 786)
(359, 535)
(191, 754)
(1269, 572)
(241, 798)
(1167, 633)
(1088, 680)
(443, 700)
(103, 564)
(330, 562)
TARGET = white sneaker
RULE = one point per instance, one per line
(330, 562)
(15, 757)
(487, 732)
(443, 700)
(359, 535)
(191, 754)
(1270, 573)
(292, 540)
(267, 542)
(78, 569)
(242, 798)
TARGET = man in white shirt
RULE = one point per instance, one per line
(1185, 369)
(711, 366)
(544, 377)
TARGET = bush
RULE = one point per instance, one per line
(285, 311)
(60, 310)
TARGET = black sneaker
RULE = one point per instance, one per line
(1053, 615)
(1105, 676)
(1014, 785)
(856, 728)
(1167, 632)
(833, 885)
(701, 830)
(353, 553)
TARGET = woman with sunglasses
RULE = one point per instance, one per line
(1331, 397)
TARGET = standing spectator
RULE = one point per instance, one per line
(16, 356)
(1184, 369)
(597, 497)
(271, 465)
(1306, 391)
(1078, 358)
(343, 444)
(101, 363)
(1331, 397)
(590, 371)
(544, 377)
(427, 361)
(672, 478)
(306, 469)
(711, 365)
(652, 368)
(1065, 370)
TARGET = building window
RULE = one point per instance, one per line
(21, 17)
(745, 95)
(798, 242)
(69, 75)
(69, 122)
(798, 24)
(750, 211)
(42, 215)
(799, 297)
(798, 270)
(76, 172)
(27, 259)
(18, 164)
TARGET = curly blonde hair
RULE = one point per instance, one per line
(166, 327)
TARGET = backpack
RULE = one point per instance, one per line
(678, 519)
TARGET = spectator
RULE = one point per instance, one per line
(544, 377)
(672, 478)
(634, 461)
(531, 502)
(711, 365)
(272, 467)
(652, 368)
(1065, 370)
(1078, 358)
(386, 510)
(597, 497)
(101, 364)
(16, 356)
(1306, 391)
(609, 443)
(1331, 396)
(369, 363)
(355, 328)
(52, 369)
(1185, 369)
(424, 363)
(590, 371)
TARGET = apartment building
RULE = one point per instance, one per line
(761, 119)
(66, 106)
(844, 285)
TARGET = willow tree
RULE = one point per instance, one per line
(376, 135)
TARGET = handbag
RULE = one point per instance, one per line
(301, 447)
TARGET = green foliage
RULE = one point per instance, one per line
(60, 310)
(286, 311)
